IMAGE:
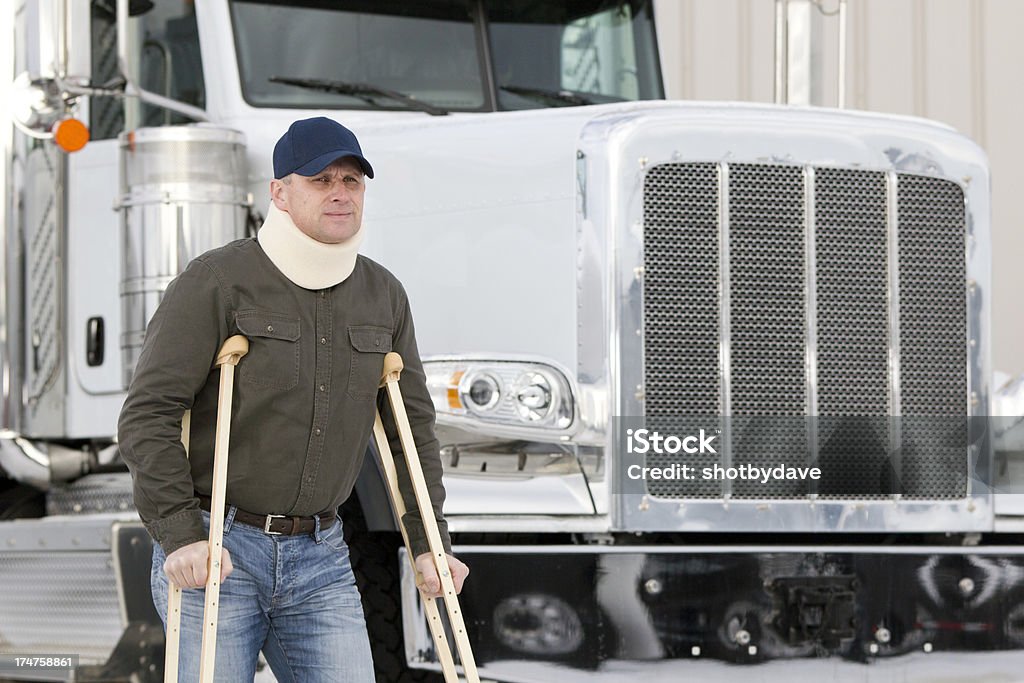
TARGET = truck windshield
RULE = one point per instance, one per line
(450, 55)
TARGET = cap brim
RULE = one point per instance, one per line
(327, 158)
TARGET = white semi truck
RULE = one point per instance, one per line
(810, 287)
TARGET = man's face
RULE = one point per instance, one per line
(327, 206)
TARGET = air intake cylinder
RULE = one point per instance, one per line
(182, 193)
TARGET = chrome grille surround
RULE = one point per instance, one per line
(616, 152)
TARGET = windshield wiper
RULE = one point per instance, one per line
(363, 91)
(560, 96)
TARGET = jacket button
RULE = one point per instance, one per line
(317, 430)
(323, 387)
(377, 342)
(323, 340)
(270, 328)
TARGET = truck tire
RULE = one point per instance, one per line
(374, 557)
(18, 501)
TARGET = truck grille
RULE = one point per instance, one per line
(778, 279)
(685, 222)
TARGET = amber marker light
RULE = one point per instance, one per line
(454, 401)
(70, 135)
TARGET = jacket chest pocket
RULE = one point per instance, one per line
(369, 344)
(273, 358)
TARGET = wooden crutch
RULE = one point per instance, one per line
(227, 358)
(392, 369)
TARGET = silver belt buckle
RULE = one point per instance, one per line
(266, 525)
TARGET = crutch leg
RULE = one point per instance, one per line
(434, 622)
(230, 353)
(392, 370)
(173, 638)
(227, 358)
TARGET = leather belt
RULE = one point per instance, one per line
(276, 525)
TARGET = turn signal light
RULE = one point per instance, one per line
(70, 135)
(454, 402)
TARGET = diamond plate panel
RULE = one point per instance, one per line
(59, 602)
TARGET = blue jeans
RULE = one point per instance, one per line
(293, 597)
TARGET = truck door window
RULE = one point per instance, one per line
(164, 46)
(170, 63)
(106, 114)
(423, 50)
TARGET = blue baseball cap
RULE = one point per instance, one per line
(311, 145)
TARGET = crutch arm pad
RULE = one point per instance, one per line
(232, 351)
(392, 368)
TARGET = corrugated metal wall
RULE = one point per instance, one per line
(954, 61)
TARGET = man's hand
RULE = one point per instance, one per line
(187, 566)
(431, 586)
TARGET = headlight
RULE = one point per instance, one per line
(510, 393)
(480, 392)
(533, 397)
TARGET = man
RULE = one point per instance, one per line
(319, 319)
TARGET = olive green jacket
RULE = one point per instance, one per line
(304, 395)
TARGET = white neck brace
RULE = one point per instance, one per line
(303, 260)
